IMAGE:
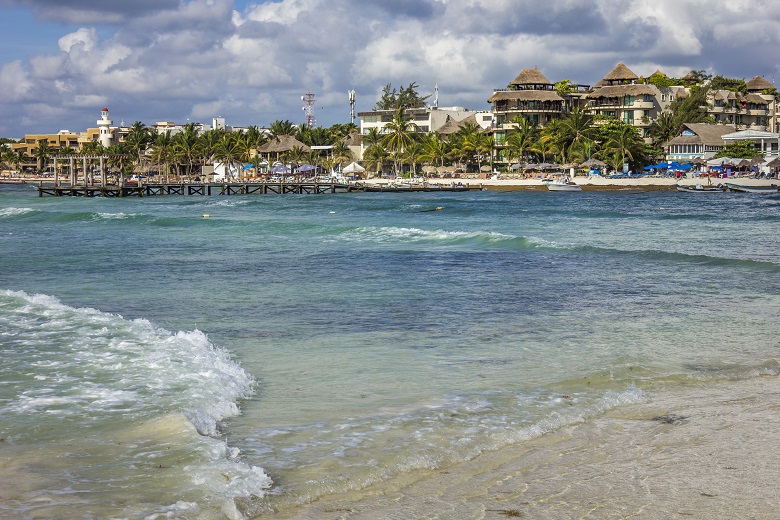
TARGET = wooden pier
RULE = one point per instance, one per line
(233, 188)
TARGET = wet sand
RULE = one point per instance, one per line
(709, 452)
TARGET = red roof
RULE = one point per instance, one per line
(104, 110)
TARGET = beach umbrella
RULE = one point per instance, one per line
(516, 166)
(305, 168)
(662, 165)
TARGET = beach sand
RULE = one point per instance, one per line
(710, 453)
(593, 182)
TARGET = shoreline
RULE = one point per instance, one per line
(705, 452)
(589, 183)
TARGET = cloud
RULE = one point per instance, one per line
(153, 60)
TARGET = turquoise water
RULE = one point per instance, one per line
(157, 363)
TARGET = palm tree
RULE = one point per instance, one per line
(664, 128)
(279, 128)
(375, 155)
(341, 153)
(412, 155)
(162, 151)
(435, 149)
(42, 153)
(625, 144)
(137, 140)
(522, 139)
(400, 133)
(576, 129)
(186, 147)
(20, 158)
(228, 151)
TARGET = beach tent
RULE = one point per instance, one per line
(353, 167)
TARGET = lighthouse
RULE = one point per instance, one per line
(104, 125)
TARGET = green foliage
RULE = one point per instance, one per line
(736, 85)
(691, 109)
(739, 149)
(662, 80)
(564, 87)
(403, 99)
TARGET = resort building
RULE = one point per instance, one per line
(622, 95)
(766, 143)
(427, 119)
(697, 141)
(530, 96)
(29, 144)
(752, 111)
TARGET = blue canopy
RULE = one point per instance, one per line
(280, 168)
(685, 167)
(662, 165)
(249, 166)
(305, 168)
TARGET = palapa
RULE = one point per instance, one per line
(525, 95)
(620, 73)
(616, 91)
(530, 77)
(758, 84)
(282, 143)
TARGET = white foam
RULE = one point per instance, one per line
(12, 212)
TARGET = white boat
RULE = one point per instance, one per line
(564, 184)
(700, 189)
(772, 189)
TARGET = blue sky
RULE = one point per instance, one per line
(251, 61)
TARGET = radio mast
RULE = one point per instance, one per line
(308, 107)
(352, 106)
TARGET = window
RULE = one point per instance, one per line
(628, 101)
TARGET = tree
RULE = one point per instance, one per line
(138, 139)
(375, 155)
(522, 139)
(434, 149)
(280, 128)
(186, 147)
(412, 154)
(341, 152)
(229, 152)
(42, 153)
(162, 151)
(400, 133)
(403, 99)
(664, 128)
(739, 149)
(624, 144)
(576, 132)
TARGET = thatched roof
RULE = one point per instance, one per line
(452, 126)
(622, 90)
(754, 98)
(282, 143)
(758, 84)
(704, 133)
(530, 77)
(620, 73)
(725, 95)
(353, 139)
(525, 95)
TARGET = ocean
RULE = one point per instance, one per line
(259, 356)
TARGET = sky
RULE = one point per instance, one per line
(252, 61)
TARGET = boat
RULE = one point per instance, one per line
(564, 184)
(9, 181)
(701, 189)
(741, 188)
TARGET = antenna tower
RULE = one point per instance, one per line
(308, 107)
(436, 94)
(352, 106)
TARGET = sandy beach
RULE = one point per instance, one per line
(708, 455)
(593, 182)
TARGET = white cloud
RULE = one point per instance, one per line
(171, 60)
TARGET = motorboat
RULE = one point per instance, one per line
(564, 184)
(700, 188)
(741, 188)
